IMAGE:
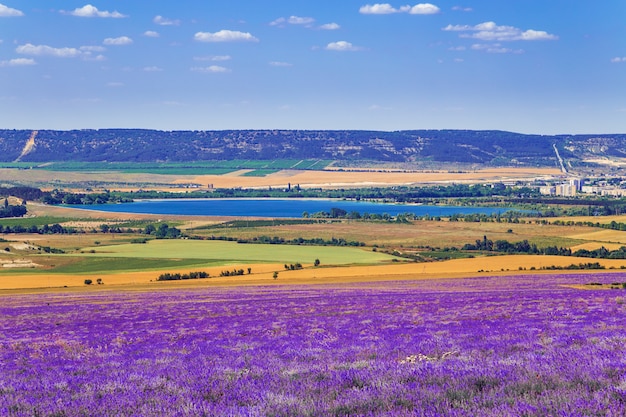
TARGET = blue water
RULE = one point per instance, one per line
(278, 207)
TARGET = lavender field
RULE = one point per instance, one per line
(507, 346)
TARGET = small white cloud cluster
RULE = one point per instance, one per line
(342, 46)
(302, 21)
(280, 64)
(618, 59)
(214, 58)
(490, 31)
(293, 20)
(91, 11)
(120, 41)
(18, 62)
(211, 69)
(6, 11)
(496, 48)
(386, 8)
(45, 50)
(85, 52)
(163, 21)
(225, 36)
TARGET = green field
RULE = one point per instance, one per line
(260, 172)
(104, 265)
(232, 252)
(34, 221)
(262, 167)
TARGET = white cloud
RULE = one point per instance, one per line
(18, 62)
(296, 20)
(92, 11)
(278, 22)
(462, 9)
(382, 8)
(163, 21)
(618, 59)
(495, 48)
(45, 50)
(225, 36)
(386, 8)
(490, 31)
(342, 46)
(330, 26)
(293, 20)
(280, 64)
(214, 58)
(537, 35)
(151, 34)
(96, 58)
(122, 40)
(424, 8)
(93, 48)
(153, 69)
(211, 69)
(6, 11)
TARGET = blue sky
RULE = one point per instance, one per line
(531, 66)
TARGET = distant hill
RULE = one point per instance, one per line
(495, 148)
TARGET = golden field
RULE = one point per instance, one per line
(263, 275)
(328, 178)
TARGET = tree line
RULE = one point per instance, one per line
(178, 276)
(524, 247)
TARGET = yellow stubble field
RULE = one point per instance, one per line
(263, 275)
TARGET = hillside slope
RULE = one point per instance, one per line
(454, 146)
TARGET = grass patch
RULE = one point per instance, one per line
(177, 168)
(254, 223)
(260, 172)
(34, 221)
(446, 255)
(108, 265)
(227, 252)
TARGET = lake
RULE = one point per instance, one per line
(278, 207)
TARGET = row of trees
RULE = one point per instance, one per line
(55, 229)
(302, 241)
(163, 231)
(395, 194)
(234, 272)
(504, 246)
(12, 211)
(178, 276)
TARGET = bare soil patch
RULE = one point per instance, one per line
(334, 178)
